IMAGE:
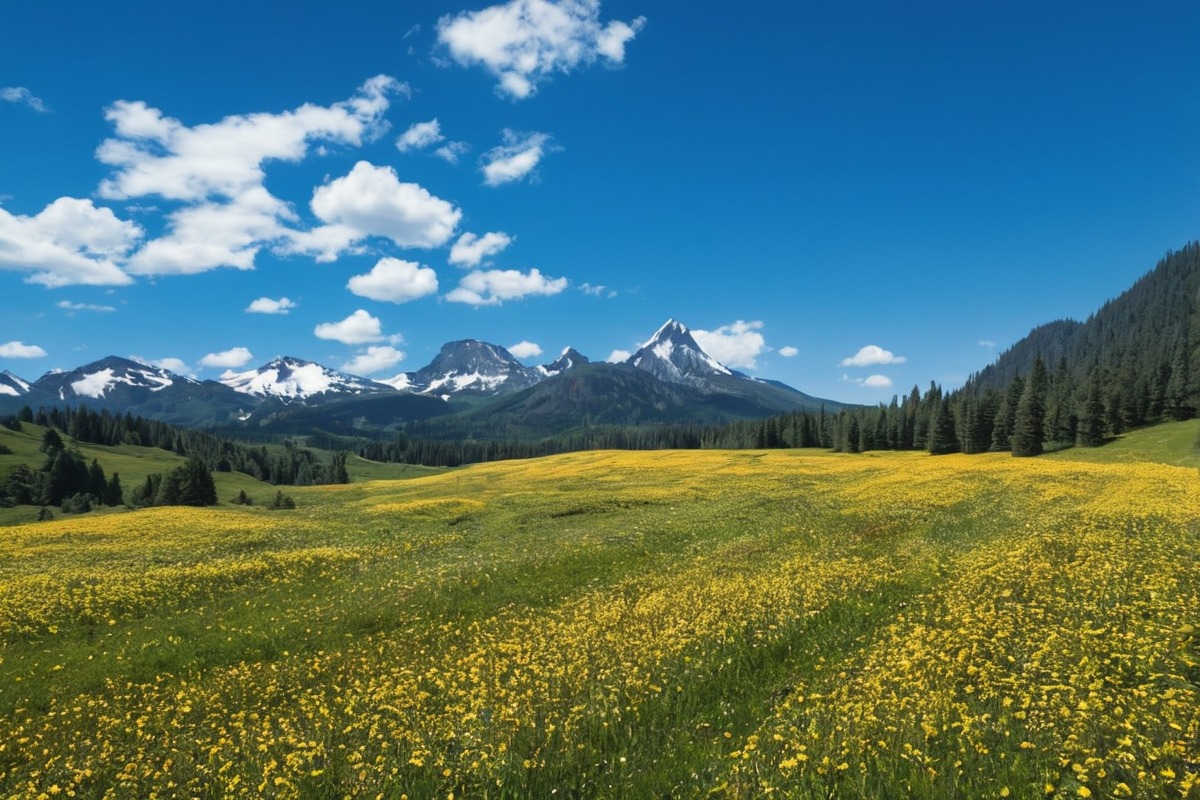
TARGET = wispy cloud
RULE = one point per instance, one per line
(515, 159)
(71, 308)
(22, 96)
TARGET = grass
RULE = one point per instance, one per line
(135, 463)
(615, 624)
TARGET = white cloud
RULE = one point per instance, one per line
(618, 356)
(523, 42)
(71, 241)
(525, 349)
(217, 171)
(19, 94)
(736, 345)
(358, 328)
(266, 305)
(492, 287)
(988, 343)
(394, 281)
(210, 235)
(20, 350)
(470, 250)
(598, 290)
(176, 365)
(71, 308)
(514, 159)
(234, 357)
(373, 359)
(871, 355)
(157, 155)
(871, 381)
(787, 351)
(420, 135)
(371, 201)
(451, 151)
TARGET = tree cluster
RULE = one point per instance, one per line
(65, 479)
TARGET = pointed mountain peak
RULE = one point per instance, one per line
(13, 385)
(672, 354)
(570, 357)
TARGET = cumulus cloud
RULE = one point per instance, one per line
(618, 356)
(492, 287)
(176, 365)
(470, 250)
(209, 235)
(523, 42)
(736, 345)
(787, 351)
(872, 355)
(20, 350)
(514, 159)
(71, 241)
(216, 170)
(266, 305)
(525, 349)
(358, 328)
(420, 135)
(371, 201)
(394, 281)
(22, 96)
(234, 357)
(71, 308)
(158, 155)
(373, 359)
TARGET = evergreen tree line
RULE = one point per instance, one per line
(65, 479)
(294, 466)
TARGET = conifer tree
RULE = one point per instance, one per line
(1029, 433)
(1091, 428)
(941, 432)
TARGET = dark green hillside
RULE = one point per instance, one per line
(1143, 347)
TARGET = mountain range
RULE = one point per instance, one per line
(476, 385)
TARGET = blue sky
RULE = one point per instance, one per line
(852, 198)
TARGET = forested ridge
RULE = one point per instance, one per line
(1134, 362)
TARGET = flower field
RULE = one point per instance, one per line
(621, 624)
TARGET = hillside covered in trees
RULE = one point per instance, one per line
(1135, 362)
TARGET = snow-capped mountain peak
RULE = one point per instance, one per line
(468, 366)
(287, 379)
(570, 357)
(672, 354)
(12, 385)
(99, 379)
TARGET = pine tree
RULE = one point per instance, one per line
(941, 432)
(1091, 428)
(1029, 432)
(114, 495)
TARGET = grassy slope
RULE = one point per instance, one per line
(135, 463)
(624, 625)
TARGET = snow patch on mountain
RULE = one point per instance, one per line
(12, 385)
(295, 379)
(672, 354)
